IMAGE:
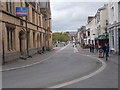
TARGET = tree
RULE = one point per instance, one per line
(62, 37)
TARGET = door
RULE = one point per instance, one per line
(21, 41)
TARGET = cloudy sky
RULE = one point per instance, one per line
(69, 16)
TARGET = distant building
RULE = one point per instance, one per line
(81, 35)
(72, 35)
(114, 27)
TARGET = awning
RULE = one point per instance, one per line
(101, 37)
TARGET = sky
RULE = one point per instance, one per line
(69, 16)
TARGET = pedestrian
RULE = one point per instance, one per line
(104, 49)
(73, 44)
(93, 48)
(99, 46)
(96, 47)
(90, 47)
(107, 50)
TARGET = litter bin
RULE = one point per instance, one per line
(101, 53)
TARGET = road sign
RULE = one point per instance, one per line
(21, 11)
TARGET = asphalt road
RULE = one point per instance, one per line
(66, 65)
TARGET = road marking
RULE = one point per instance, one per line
(10, 69)
(84, 77)
(75, 50)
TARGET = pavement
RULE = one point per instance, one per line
(36, 59)
(112, 57)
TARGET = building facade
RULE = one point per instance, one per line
(101, 20)
(101, 23)
(25, 36)
(81, 35)
(89, 29)
(114, 27)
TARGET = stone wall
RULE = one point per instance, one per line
(10, 56)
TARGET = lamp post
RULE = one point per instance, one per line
(46, 28)
(26, 5)
(106, 40)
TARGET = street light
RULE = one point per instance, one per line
(26, 5)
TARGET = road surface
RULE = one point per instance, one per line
(61, 68)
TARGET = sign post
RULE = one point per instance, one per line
(23, 11)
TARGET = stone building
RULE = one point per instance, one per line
(81, 35)
(114, 26)
(14, 31)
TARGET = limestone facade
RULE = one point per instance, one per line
(14, 32)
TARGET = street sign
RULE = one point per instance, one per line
(21, 11)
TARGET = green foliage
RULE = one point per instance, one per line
(82, 44)
(63, 37)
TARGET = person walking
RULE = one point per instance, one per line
(96, 47)
(104, 49)
(107, 49)
(73, 44)
(99, 46)
(92, 48)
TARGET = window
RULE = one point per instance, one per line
(10, 6)
(88, 33)
(39, 21)
(112, 11)
(112, 36)
(36, 18)
(33, 15)
(119, 11)
(10, 38)
(33, 39)
(119, 6)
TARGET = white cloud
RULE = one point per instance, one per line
(71, 15)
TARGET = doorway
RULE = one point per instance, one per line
(21, 41)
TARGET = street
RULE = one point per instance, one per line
(65, 66)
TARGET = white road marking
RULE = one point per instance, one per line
(3, 70)
(75, 50)
(84, 77)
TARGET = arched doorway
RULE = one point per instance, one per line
(22, 41)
